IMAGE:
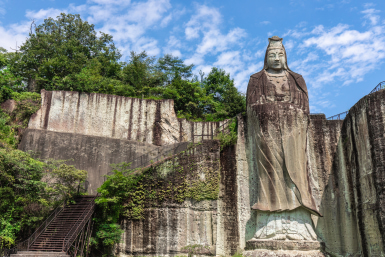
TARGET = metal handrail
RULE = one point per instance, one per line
(338, 116)
(40, 229)
(380, 86)
(86, 218)
(72, 237)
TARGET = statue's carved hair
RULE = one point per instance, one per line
(275, 42)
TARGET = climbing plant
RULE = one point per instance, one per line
(127, 193)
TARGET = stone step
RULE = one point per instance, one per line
(39, 254)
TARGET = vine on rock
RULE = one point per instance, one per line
(127, 193)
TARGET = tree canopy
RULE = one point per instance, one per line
(63, 47)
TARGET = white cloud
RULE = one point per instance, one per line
(172, 47)
(370, 14)
(43, 14)
(368, 5)
(14, 35)
(128, 24)
(265, 22)
(110, 2)
(166, 21)
(207, 22)
(196, 59)
(351, 54)
(149, 45)
(205, 28)
(205, 19)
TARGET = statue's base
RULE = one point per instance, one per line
(284, 248)
(268, 253)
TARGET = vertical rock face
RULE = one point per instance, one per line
(168, 225)
(228, 233)
(353, 199)
(91, 153)
(150, 121)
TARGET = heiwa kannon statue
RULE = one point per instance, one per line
(277, 124)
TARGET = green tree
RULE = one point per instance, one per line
(61, 47)
(91, 80)
(227, 101)
(9, 82)
(140, 76)
(172, 67)
(189, 98)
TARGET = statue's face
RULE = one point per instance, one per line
(276, 59)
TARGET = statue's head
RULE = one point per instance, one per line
(275, 57)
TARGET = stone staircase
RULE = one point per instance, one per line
(56, 236)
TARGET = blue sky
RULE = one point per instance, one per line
(338, 46)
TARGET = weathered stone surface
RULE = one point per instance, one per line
(91, 153)
(228, 232)
(353, 201)
(268, 253)
(346, 177)
(346, 167)
(9, 105)
(165, 231)
(169, 226)
(150, 121)
(283, 245)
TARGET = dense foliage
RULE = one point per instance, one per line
(66, 54)
(29, 188)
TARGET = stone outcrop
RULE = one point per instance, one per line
(9, 105)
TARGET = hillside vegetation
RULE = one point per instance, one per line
(66, 53)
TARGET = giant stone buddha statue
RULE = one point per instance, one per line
(277, 124)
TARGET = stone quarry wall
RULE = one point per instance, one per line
(91, 153)
(150, 121)
(353, 201)
(96, 130)
(194, 205)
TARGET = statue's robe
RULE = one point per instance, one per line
(277, 132)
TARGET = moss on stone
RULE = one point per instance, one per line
(194, 174)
